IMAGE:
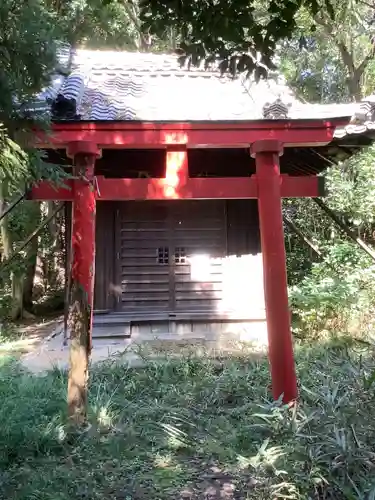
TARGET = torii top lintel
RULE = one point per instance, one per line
(143, 135)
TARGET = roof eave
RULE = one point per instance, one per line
(191, 134)
(206, 124)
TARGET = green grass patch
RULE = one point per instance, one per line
(194, 429)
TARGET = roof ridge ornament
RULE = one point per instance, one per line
(276, 110)
(365, 111)
(362, 120)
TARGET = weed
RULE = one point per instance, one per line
(186, 429)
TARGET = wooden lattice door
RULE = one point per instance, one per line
(170, 255)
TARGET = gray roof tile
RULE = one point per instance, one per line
(107, 85)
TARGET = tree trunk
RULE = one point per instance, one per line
(16, 281)
(17, 296)
(354, 85)
(143, 43)
(5, 233)
(32, 253)
(52, 226)
(31, 259)
(55, 245)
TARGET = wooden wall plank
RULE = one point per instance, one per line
(243, 227)
(104, 295)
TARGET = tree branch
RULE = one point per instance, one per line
(368, 4)
(135, 20)
(361, 68)
(347, 57)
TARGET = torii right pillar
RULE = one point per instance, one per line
(284, 382)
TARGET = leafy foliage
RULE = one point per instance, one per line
(96, 24)
(13, 159)
(352, 190)
(242, 35)
(336, 293)
(27, 53)
(332, 60)
(317, 75)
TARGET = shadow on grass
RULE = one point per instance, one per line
(194, 429)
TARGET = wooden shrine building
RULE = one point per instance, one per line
(176, 204)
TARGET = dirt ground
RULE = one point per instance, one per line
(30, 334)
(40, 347)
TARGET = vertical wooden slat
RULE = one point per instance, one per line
(145, 281)
(200, 229)
(243, 282)
(172, 249)
(99, 259)
(119, 208)
(105, 256)
(68, 255)
(243, 227)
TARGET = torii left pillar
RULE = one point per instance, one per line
(280, 348)
(84, 155)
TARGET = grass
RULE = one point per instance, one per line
(194, 429)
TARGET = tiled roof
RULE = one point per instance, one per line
(106, 85)
(362, 119)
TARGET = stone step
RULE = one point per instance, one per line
(111, 331)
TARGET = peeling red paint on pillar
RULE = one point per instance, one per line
(83, 219)
(83, 230)
(82, 275)
(281, 357)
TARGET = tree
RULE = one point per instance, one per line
(332, 61)
(318, 69)
(28, 57)
(26, 65)
(241, 35)
(96, 24)
(337, 290)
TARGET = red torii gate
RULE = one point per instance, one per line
(265, 141)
